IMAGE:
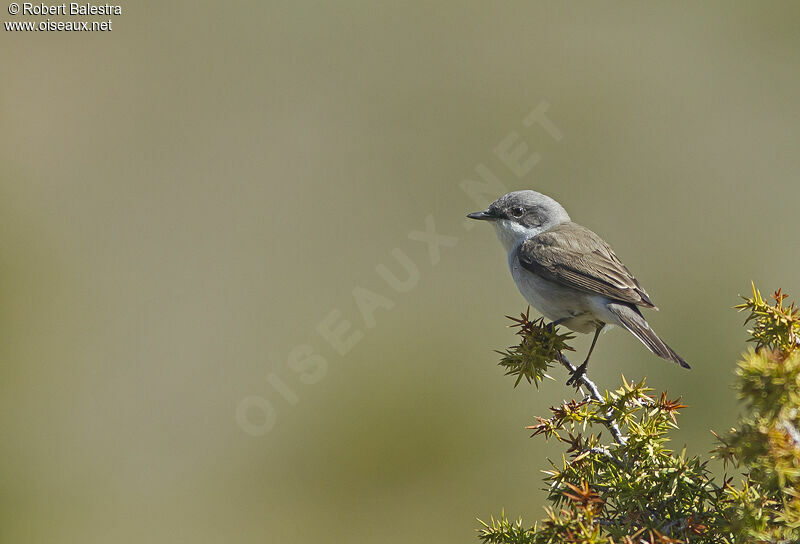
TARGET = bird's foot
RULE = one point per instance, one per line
(575, 379)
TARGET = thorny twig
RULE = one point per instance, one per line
(608, 454)
(793, 433)
(609, 421)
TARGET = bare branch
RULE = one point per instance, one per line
(584, 380)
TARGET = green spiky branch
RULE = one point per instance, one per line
(542, 345)
(636, 489)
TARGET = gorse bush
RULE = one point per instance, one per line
(629, 487)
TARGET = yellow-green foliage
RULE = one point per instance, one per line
(540, 346)
(767, 441)
(634, 489)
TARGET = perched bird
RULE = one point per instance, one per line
(568, 273)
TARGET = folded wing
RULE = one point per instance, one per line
(574, 256)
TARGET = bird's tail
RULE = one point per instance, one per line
(631, 318)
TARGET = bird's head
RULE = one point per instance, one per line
(520, 215)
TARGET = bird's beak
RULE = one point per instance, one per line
(482, 216)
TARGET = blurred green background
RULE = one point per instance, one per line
(184, 199)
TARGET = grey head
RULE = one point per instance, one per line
(521, 215)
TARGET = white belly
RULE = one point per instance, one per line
(581, 312)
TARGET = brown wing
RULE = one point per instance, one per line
(576, 257)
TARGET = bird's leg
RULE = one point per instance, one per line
(557, 322)
(581, 370)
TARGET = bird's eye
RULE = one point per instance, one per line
(517, 211)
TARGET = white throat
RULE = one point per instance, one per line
(512, 234)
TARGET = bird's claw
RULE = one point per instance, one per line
(575, 379)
